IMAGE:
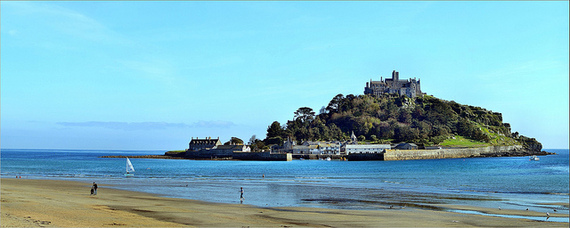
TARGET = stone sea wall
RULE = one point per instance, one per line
(262, 156)
(365, 157)
(489, 151)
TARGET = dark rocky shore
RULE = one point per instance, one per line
(516, 154)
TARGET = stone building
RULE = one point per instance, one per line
(197, 144)
(213, 148)
(366, 149)
(228, 149)
(406, 146)
(394, 85)
(321, 147)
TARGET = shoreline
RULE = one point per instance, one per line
(400, 155)
(63, 203)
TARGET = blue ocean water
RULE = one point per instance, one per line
(506, 182)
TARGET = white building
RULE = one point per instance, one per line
(366, 149)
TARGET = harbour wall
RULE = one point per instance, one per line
(262, 156)
(317, 156)
(489, 151)
(365, 157)
(224, 154)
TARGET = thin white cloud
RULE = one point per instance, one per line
(63, 20)
(133, 126)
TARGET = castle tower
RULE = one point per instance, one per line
(395, 75)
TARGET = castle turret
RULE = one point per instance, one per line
(395, 75)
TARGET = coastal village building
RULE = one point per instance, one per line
(232, 148)
(213, 148)
(323, 147)
(394, 85)
(197, 144)
(215, 144)
(366, 149)
(310, 147)
(288, 144)
(406, 146)
(300, 149)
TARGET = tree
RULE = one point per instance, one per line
(404, 116)
(304, 114)
(336, 133)
(234, 141)
(405, 133)
(274, 141)
(252, 140)
(259, 145)
(423, 119)
(275, 130)
(323, 110)
(373, 138)
(334, 104)
(256, 144)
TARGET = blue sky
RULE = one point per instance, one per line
(152, 75)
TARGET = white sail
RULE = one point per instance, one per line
(130, 167)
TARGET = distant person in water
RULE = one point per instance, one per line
(94, 189)
(241, 195)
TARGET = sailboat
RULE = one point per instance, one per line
(130, 169)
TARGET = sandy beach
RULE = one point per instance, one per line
(54, 203)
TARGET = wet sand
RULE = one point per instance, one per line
(37, 203)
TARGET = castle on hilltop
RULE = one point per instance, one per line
(394, 85)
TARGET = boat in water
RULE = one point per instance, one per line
(534, 158)
(130, 169)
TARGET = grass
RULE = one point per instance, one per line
(173, 152)
(497, 139)
(460, 141)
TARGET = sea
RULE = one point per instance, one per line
(506, 182)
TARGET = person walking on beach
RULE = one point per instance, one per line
(94, 189)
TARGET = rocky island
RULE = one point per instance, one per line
(393, 120)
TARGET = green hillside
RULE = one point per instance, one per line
(391, 119)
